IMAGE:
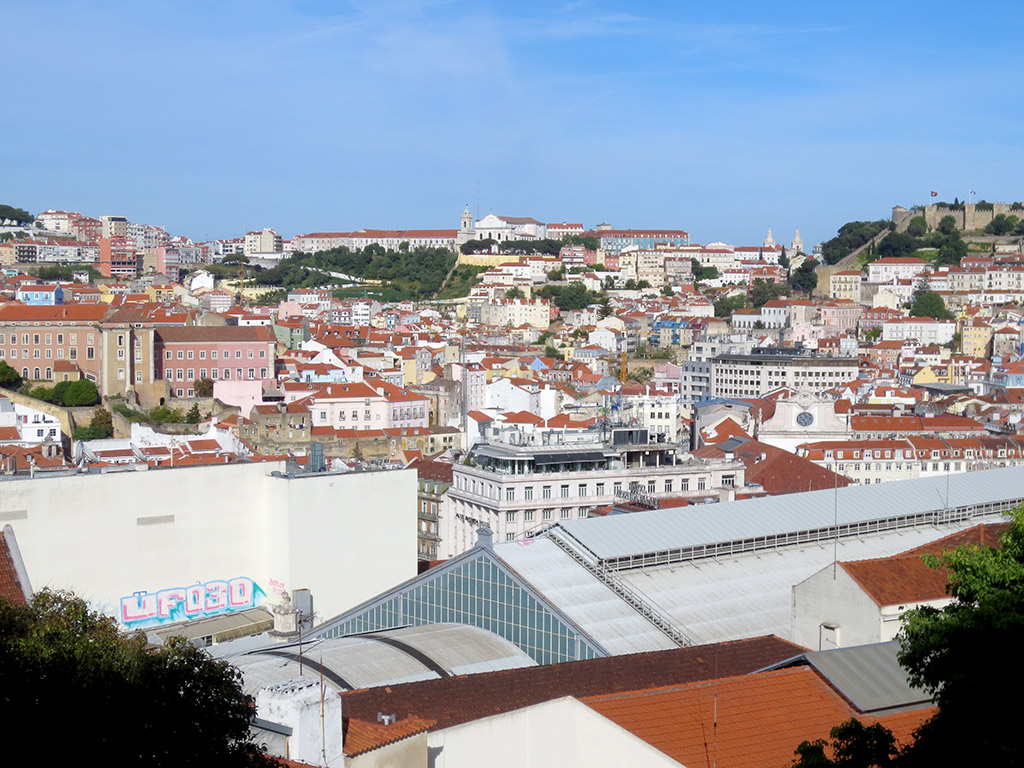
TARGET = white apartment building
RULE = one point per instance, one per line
(764, 370)
(516, 312)
(266, 241)
(695, 377)
(896, 268)
(518, 483)
(925, 330)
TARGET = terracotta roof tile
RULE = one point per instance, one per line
(755, 720)
(454, 700)
(11, 588)
(904, 578)
(365, 735)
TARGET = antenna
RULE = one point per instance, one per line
(835, 525)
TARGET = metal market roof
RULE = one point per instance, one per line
(662, 530)
(387, 657)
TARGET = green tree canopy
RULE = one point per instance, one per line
(851, 236)
(109, 695)
(515, 293)
(917, 227)
(805, 277)
(930, 304)
(1001, 224)
(725, 306)
(9, 377)
(765, 290)
(963, 654)
(947, 225)
(897, 244)
(203, 387)
(19, 215)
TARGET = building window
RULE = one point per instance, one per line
(528, 515)
(564, 491)
(510, 494)
(510, 537)
(181, 355)
(701, 484)
(565, 513)
(581, 490)
(616, 488)
(729, 480)
(651, 486)
(599, 490)
(546, 492)
(528, 493)
(546, 514)
(510, 517)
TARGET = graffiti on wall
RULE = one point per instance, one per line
(192, 602)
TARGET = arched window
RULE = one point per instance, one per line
(49, 374)
(24, 373)
(35, 374)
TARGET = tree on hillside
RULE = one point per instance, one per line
(9, 377)
(765, 290)
(726, 305)
(917, 227)
(515, 293)
(851, 236)
(102, 421)
(897, 244)
(947, 225)
(805, 277)
(929, 304)
(1001, 224)
(20, 215)
(203, 387)
(77, 393)
(113, 697)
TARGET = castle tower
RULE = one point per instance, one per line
(798, 242)
(769, 241)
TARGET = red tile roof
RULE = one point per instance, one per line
(778, 471)
(754, 720)
(904, 578)
(11, 588)
(365, 735)
(454, 700)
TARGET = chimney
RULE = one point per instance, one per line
(484, 537)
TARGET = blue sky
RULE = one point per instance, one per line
(719, 118)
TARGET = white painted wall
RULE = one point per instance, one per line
(346, 537)
(555, 734)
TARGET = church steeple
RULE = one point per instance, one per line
(769, 241)
(798, 242)
(467, 221)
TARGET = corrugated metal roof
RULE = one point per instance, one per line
(665, 529)
(868, 676)
(362, 661)
(750, 594)
(584, 600)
